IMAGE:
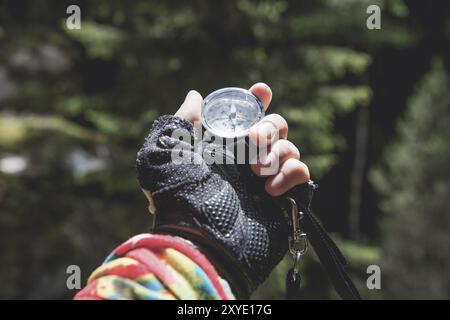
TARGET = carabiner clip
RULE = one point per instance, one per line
(298, 241)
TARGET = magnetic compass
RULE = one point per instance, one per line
(231, 112)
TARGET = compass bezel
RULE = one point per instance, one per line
(237, 94)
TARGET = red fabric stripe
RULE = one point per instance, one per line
(157, 242)
(125, 271)
(87, 292)
(152, 264)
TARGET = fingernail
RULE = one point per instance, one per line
(278, 181)
(266, 130)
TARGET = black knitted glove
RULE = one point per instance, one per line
(223, 209)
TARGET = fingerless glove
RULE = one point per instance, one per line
(222, 208)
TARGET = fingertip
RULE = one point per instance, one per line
(263, 92)
(255, 169)
(292, 172)
(193, 95)
(303, 175)
(271, 190)
(190, 110)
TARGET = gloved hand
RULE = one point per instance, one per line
(227, 210)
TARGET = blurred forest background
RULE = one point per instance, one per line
(369, 110)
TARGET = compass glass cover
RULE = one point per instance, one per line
(231, 112)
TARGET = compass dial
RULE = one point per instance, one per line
(231, 112)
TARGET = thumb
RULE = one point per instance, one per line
(190, 110)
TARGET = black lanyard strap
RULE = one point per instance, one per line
(327, 251)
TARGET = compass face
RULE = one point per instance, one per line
(231, 112)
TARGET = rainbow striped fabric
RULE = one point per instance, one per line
(155, 267)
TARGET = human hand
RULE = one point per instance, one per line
(271, 133)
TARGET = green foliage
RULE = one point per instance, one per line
(94, 34)
(415, 181)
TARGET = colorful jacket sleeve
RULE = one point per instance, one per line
(155, 267)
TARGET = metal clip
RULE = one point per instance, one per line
(298, 242)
